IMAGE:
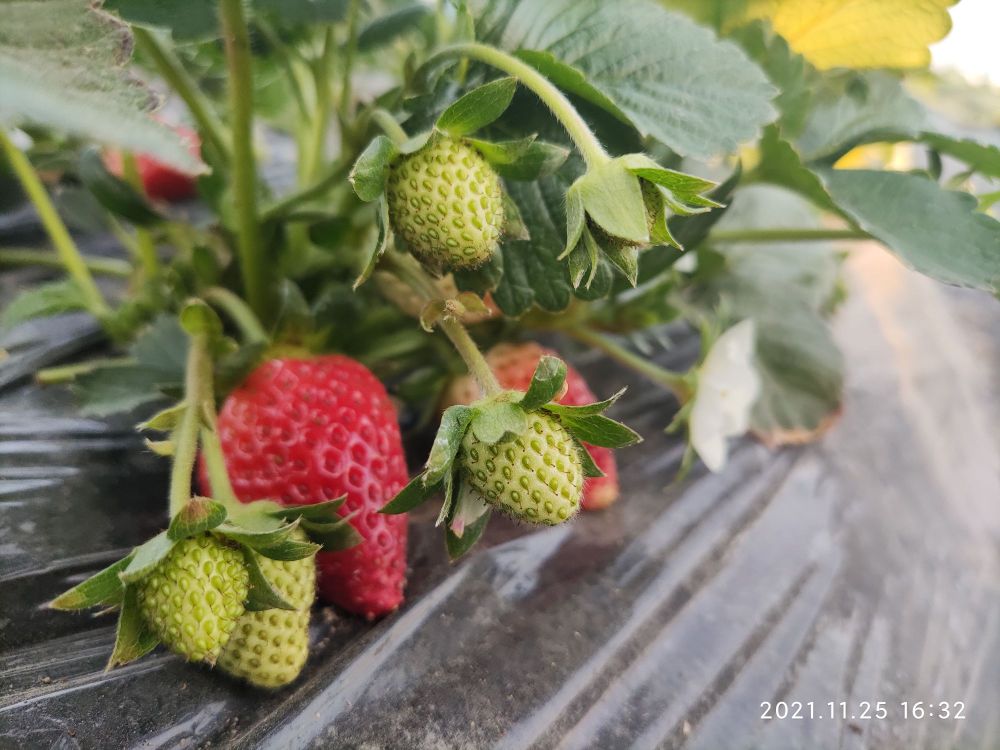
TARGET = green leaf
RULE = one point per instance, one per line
(454, 423)
(934, 231)
(780, 164)
(112, 390)
(612, 199)
(538, 160)
(514, 227)
(371, 170)
(303, 12)
(478, 108)
(42, 301)
(531, 274)
(845, 116)
(674, 79)
(595, 429)
(133, 636)
(162, 349)
(104, 588)
(186, 19)
(146, 557)
(63, 66)
(412, 495)
(493, 420)
(381, 243)
(262, 595)
(114, 193)
(982, 157)
(546, 382)
(199, 514)
(387, 28)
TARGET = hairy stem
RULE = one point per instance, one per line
(389, 126)
(335, 174)
(197, 394)
(173, 72)
(675, 382)
(314, 154)
(787, 235)
(66, 373)
(238, 59)
(69, 255)
(31, 257)
(590, 148)
(238, 311)
(215, 462)
(145, 246)
(410, 271)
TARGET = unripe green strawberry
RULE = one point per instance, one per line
(269, 648)
(653, 204)
(536, 476)
(193, 598)
(446, 202)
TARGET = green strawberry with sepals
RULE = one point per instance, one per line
(446, 202)
(517, 451)
(536, 475)
(194, 596)
(268, 648)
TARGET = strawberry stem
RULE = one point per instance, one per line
(16, 256)
(145, 246)
(409, 270)
(238, 311)
(389, 126)
(173, 72)
(675, 382)
(590, 148)
(787, 235)
(238, 60)
(69, 255)
(198, 399)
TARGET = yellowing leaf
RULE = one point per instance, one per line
(858, 33)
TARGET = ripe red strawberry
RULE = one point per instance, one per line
(303, 431)
(514, 365)
(160, 181)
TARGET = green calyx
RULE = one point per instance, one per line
(446, 202)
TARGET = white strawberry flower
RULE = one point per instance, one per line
(728, 387)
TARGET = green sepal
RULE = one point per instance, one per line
(164, 448)
(495, 419)
(590, 468)
(575, 220)
(133, 636)
(598, 407)
(681, 192)
(478, 108)
(596, 429)
(114, 193)
(546, 382)
(514, 227)
(499, 153)
(449, 497)
(276, 544)
(412, 495)
(625, 258)
(333, 536)
(659, 232)
(261, 594)
(165, 420)
(199, 514)
(382, 222)
(320, 512)
(539, 159)
(147, 556)
(198, 319)
(459, 545)
(612, 198)
(104, 588)
(454, 422)
(371, 170)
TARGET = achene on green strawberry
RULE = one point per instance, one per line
(305, 430)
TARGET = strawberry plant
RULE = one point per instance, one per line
(339, 209)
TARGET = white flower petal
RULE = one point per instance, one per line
(728, 387)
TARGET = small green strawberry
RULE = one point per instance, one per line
(653, 203)
(194, 596)
(537, 475)
(446, 202)
(268, 648)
